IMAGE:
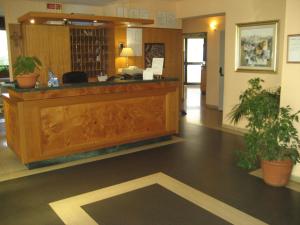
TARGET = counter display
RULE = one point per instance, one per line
(44, 123)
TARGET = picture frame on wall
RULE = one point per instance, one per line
(293, 48)
(256, 46)
(153, 50)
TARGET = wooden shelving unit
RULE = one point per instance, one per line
(89, 50)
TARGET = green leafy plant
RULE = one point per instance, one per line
(271, 133)
(3, 68)
(26, 65)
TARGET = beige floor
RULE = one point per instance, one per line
(12, 168)
(197, 111)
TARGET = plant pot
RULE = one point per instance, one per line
(27, 80)
(276, 173)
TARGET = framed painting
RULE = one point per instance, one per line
(293, 48)
(256, 46)
(153, 50)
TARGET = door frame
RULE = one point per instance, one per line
(185, 63)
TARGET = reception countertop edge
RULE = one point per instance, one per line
(91, 84)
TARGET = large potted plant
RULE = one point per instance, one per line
(25, 69)
(271, 138)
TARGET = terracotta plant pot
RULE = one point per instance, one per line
(276, 173)
(27, 80)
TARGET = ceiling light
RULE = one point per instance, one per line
(32, 21)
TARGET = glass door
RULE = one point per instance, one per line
(195, 51)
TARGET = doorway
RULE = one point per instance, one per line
(194, 57)
(3, 50)
(204, 75)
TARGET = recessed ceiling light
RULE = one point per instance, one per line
(65, 19)
(95, 21)
(32, 21)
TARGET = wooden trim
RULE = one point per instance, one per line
(44, 16)
(86, 119)
(212, 107)
(234, 129)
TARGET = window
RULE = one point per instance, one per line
(3, 48)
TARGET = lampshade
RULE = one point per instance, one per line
(126, 52)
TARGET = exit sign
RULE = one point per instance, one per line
(54, 6)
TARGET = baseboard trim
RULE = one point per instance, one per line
(212, 106)
(233, 129)
(293, 183)
(295, 178)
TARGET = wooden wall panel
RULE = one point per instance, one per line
(172, 38)
(110, 35)
(68, 127)
(51, 44)
(120, 37)
(12, 131)
(35, 39)
(16, 44)
(65, 121)
(59, 50)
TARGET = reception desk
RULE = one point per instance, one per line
(44, 123)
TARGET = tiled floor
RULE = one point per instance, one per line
(201, 165)
(197, 177)
(197, 111)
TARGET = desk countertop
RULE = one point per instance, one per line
(91, 84)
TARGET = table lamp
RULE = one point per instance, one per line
(126, 52)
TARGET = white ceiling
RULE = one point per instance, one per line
(82, 2)
(91, 2)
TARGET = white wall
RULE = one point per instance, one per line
(237, 11)
(291, 72)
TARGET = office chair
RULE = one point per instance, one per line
(75, 77)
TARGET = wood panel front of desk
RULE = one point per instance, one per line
(56, 123)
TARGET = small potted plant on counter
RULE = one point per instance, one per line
(4, 72)
(272, 138)
(24, 71)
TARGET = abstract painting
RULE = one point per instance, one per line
(256, 46)
(153, 50)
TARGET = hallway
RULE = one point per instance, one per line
(197, 111)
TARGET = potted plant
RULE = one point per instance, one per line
(24, 71)
(4, 72)
(272, 138)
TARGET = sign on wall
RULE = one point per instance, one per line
(55, 7)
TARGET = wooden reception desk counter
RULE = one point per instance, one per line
(44, 123)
